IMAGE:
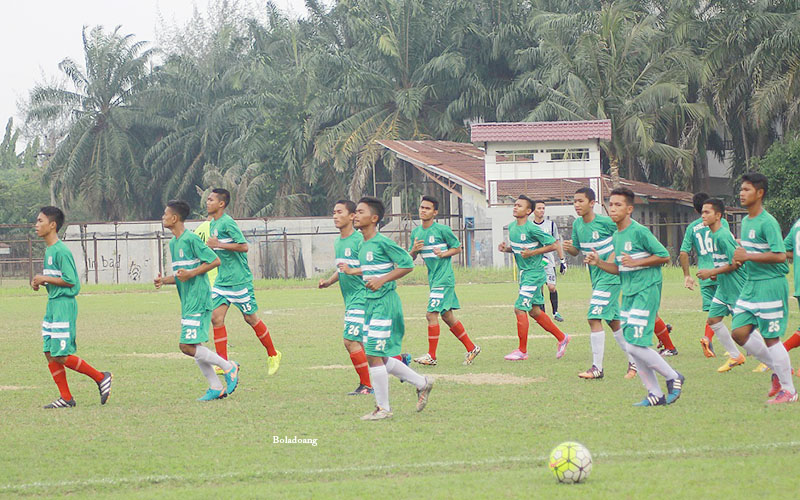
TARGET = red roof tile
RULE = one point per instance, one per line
(541, 131)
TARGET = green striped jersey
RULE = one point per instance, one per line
(438, 236)
(638, 242)
(528, 236)
(730, 284)
(233, 268)
(378, 257)
(187, 252)
(59, 263)
(346, 252)
(698, 237)
(596, 235)
(762, 234)
(792, 243)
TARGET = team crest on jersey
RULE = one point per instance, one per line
(430, 239)
(369, 256)
(214, 233)
(348, 252)
(180, 252)
(50, 261)
(752, 234)
(522, 237)
(628, 246)
(595, 235)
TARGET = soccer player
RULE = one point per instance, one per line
(437, 244)
(637, 258)
(346, 249)
(383, 262)
(60, 278)
(698, 238)
(234, 284)
(191, 260)
(729, 278)
(528, 244)
(764, 301)
(550, 227)
(792, 243)
(594, 232)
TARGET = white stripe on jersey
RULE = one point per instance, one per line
(52, 272)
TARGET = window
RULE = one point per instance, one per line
(568, 154)
(515, 156)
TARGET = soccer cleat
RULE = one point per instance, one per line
(708, 347)
(776, 386)
(783, 397)
(405, 358)
(592, 373)
(761, 368)
(377, 414)
(562, 347)
(422, 394)
(652, 400)
(361, 389)
(273, 363)
(660, 346)
(426, 360)
(232, 378)
(104, 386)
(558, 317)
(219, 371)
(212, 394)
(665, 353)
(516, 355)
(60, 403)
(731, 363)
(471, 355)
(674, 388)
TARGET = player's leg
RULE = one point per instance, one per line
(219, 311)
(429, 358)
(655, 396)
(521, 308)
(553, 291)
(744, 332)
(602, 306)
(662, 331)
(59, 374)
(772, 303)
(194, 331)
(545, 322)
(793, 341)
(597, 339)
(457, 329)
(717, 311)
(619, 337)
(707, 293)
(353, 338)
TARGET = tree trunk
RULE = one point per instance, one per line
(613, 162)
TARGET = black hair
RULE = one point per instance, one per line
(432, 200)
(627, 193)
(717, 204)
(536, 202)
(223, 194)
(588, 192)
(53, 214)
(530, 201)
(375, 206)
(759, 181)
(181, 208)
(699, 200)
(348, 204)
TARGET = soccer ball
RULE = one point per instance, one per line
(570, 462)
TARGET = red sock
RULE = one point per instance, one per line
(793, 341)
(709, 332)
(398, 358)
(522, 331)
(81, 366)
(359, 360)
(60, 378)
(461, 334)
(263, 335)
(433, 340)
(221, 341)
(547, 323)
(663, 334)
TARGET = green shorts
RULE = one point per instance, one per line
(530, 290)
(194, 328)
(719, 308)
(58, 326)
(241, 296)
(765, 305)
(443, 299)
(639, 315)
(708, 292)
(354, 323)
(384, 325)
(604, 303)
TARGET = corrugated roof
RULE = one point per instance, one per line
(541, 131)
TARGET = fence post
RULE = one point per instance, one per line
(30, 259)
(96, 265)
(285, 255)
(116, 252)
(160, 252)
(85, 254)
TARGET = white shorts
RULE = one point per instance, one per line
(550, 271)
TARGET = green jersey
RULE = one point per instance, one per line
(528, 237)
(233, 268)
(59, 263)
(187, 252)
(638, 242)
(346, 252)
(378, 257)
(440, 271)
(596, 235)
(204, 231)
(792, 243)
(698, 237)
(728, 285)
(762, 234)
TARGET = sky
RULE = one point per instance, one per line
(37, 35)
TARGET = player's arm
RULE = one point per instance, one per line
(40, 280)
(416, 246)
(453, 245)
(68, 271)
(707, 274)
(330, 281)
(659, 254)
(159, 281)
(571, 246)
(548, 243)
(530, 252)
(788, 242)
(776, 255)
(505, 247)
(403, 262)
(609, 265)
(235, 242)
(683, 257)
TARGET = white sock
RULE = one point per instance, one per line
(646, 374)
(782, 366)
(654, 361)
(380, 383)
(404, 373)
(623, 344)
(755, 346)
(205, 354)
(207, 369)
(598, 340)
(724, 336)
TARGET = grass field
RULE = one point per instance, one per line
(486, 432)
